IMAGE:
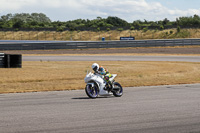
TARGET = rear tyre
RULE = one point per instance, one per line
(92, 92)
(117, 90)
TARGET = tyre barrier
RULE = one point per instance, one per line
(10, 60)
(2, 61)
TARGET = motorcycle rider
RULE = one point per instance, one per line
(104, 72)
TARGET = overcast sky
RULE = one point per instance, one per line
(129, 10)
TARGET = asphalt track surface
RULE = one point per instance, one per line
(155, 109)
(113, 58)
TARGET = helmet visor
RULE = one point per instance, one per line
(95, 68)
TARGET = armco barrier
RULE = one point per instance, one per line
(98, 44)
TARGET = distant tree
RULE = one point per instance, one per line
(98, 29)
(188, 21)
(1, 24)
(162, 27)
(40, 20)
(132, 28)
(40, 17)
(165, 21)
(6, 18)
(145, 29)
(26, 20)
(72, 26)
(18, 24)
(60, 29)
(178, 29)
(33, 23)
(154, 24)
(115, 21)
(120, 29)
(137, 23)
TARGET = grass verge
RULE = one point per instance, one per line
(58, 76)
(97, 36)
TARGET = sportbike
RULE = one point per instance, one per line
(96, 86)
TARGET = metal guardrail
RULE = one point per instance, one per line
(98, 44)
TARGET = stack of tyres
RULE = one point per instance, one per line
(2, 61)
(11, 61)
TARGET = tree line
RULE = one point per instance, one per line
(40, 20)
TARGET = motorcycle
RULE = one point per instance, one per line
(96, 86)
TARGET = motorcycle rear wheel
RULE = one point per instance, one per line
(119, 91)
(92, 92)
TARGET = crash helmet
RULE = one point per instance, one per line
(95, 66)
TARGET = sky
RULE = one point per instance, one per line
(129, 10)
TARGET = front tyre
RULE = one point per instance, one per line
(117, 90)
(92, 92)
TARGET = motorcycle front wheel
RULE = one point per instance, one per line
(117, 90)
(92, 92)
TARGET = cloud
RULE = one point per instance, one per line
(13, 5)
(64, 10)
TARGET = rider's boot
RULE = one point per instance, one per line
(110, 86)
(106, 87)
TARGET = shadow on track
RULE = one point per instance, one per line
(81, 98)
(76, 98)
